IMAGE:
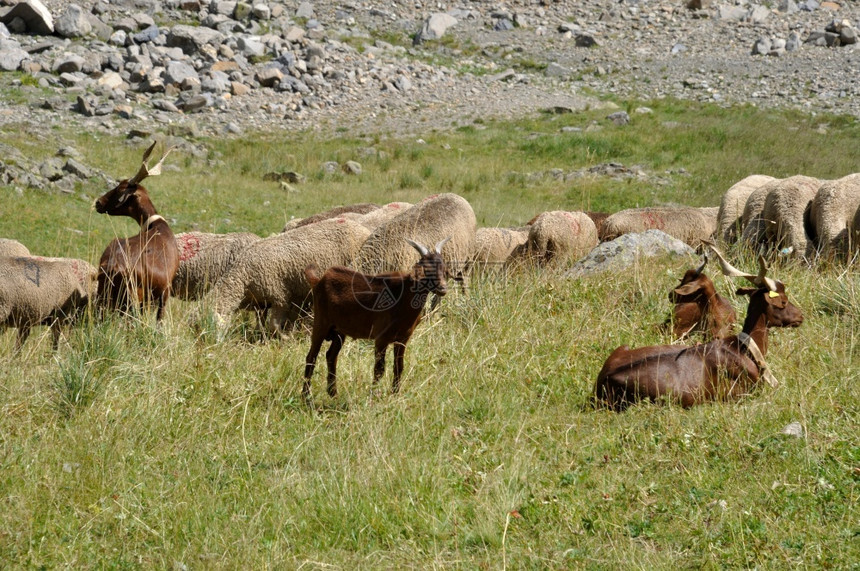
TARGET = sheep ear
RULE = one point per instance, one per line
(442, 243)
(420, 248)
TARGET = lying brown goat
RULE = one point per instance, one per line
(698, 307)
(720, 370)
(385, 307)
(141, 267)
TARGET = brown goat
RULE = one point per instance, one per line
(385, 307)
(723, 369)
(139, 268)
(698, 307)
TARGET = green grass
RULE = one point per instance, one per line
(138, 445)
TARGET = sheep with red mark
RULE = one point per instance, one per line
(724, 369)
(140, 269)
(384, 307)
(689, 224)
(372, 220)
(698, 308)
(204, 259)
(730, 215)
(337, 211)
(43, 291)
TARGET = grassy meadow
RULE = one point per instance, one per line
(143, 445)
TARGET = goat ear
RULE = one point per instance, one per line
(687, 289)
(775, 299)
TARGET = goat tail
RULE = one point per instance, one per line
(312, 274)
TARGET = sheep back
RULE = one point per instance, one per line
(360, 208)
(689, 224)
(428, 222)
(752, 231)
(204, 258)
(831, 213)
(730, 215)
(269, 273)
(555, 238)
(374, 219)
(12, 248)
(495, 245)
(784, 213)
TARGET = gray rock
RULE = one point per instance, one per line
(556, 70)
(269, 76)
(69, 63)
(352, 167)
(848, 36)
(251, 47)
(190, 38)
(403, 83)
(732, 13)
(261, 12)
(196, 102)
(793, 42)
(305, 10)
(33, 13)
(761, 47)
(793, 429)
(52, 169)
(435, 27)
(178, 72)
(585, 40)
(777, 48)
(11, 55)
(73, 22)
(148, 34)
(788, 7)
(503, 25)
(625, 250)
(619, 118)
(78, 169)
(758, 14)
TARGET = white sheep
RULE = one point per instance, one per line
(780, 221)
(49, 291)
(730, 215)
(204, 258)
(495, 245)
(428, 222)
(689, 224)
(337, 211)
(831, 213)
(556, 238)
(12, 248)
(268, 276)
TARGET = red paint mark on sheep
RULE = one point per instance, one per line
(653, 221)
(190, 247)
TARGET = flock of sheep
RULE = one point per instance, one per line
(797, 216)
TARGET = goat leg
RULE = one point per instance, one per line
(379, 364)
(331, 360)
(310, 363)
(399, 351)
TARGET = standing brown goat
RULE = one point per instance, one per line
(698, 306)
(384, 307)
(723, 369)
(140, 268)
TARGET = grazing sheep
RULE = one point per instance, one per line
(431, 220)
(786, 212)
(730, 215)
(372, 220)
(556, 238)
(754, 224)
(337, 211)
(831, 213)
(204, 258)
(269, 273)
(49, 291)
(12, 248)
(688, 224)
(495, 245)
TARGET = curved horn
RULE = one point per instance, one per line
(704, 263)
(729, 270)
(144, 170)
(421, 249)
(441, 244)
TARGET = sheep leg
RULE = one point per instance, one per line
(55, 334)
(399, 351)
(331, 360)
(162, 302)
(379, 364)
(23, 333)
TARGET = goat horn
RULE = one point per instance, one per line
(731, 271)
(442, 243)
(421, 249)
(144, 170)
(704, 263)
